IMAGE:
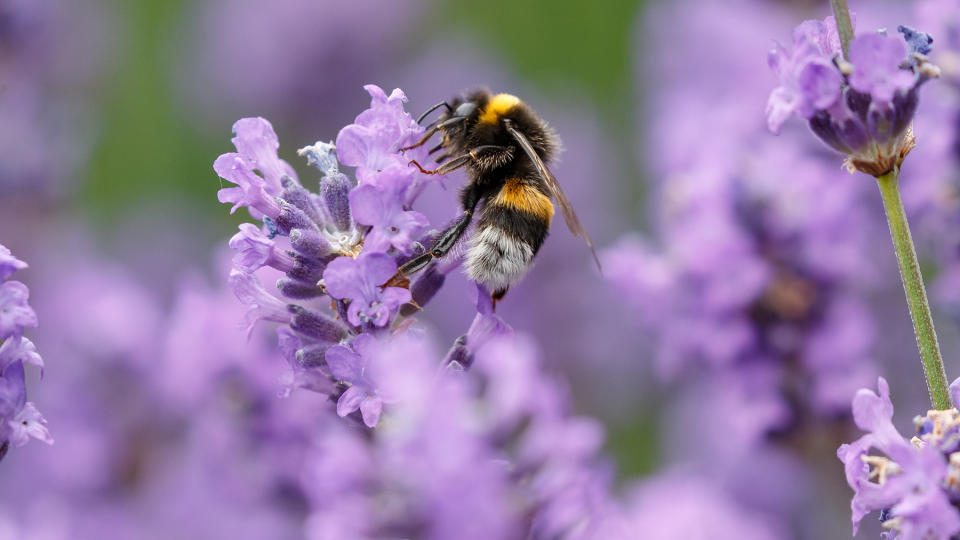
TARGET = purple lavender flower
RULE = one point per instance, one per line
(391, 225)
(8, 263)
(255, 249)
(343, 242)
(145, 388)
(752, 284)
(15, 313)
(373, 141)
(360, 281)
(19, 419)
(862, 107)
(354, 365)
(907, 482)
(877, 62)
(256, 145)
(444, 469)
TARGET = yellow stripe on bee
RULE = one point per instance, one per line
(525, 198)
(497, 107)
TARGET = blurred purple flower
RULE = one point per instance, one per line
(19, 419)
(305, 53)
(263, 305)
(906, 483)
(679, 505)
(8, 263)
(255, 250)
(15, 313)
(48, 130)
(19, 350)
(354, 365)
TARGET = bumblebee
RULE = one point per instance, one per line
(505, 146)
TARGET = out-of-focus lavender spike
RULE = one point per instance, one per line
(19, 419)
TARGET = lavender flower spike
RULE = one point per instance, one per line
(862, 108)
(335, 248)
(19, 419)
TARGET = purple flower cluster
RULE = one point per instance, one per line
(754, 273)
(501, 458)
(159, 412)
(336, 247)
(861, 106)
(19, 419)
(755, 279)
(913, 483)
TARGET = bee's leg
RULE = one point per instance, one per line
(489, 153)
(420, 142)
(447, 167)
(435, 107)
(433, 129)
(444, 241)
(497, 296)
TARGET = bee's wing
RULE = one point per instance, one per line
(573, 222)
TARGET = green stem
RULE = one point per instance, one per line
(841, 13)
(913, 287)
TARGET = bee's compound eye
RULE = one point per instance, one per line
(465, 109)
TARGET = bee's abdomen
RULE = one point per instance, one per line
(512, 227)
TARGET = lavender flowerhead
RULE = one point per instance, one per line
(19, 419)
(335, 247)
(862, 106)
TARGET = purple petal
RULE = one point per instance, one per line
(342, 278)
(257, 142)
(15, 313)
(8, 263)
(955, 392)
(871, 412)
(876, 59)
(350, 401)
(377, 268)
(370, 409)
(368, 205)
(344, 364)
(394, 297)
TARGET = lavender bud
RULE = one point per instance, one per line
(297, 289)
(316, 325)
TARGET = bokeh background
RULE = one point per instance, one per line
(111, 114)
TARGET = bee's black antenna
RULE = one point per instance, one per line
(435, 107)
